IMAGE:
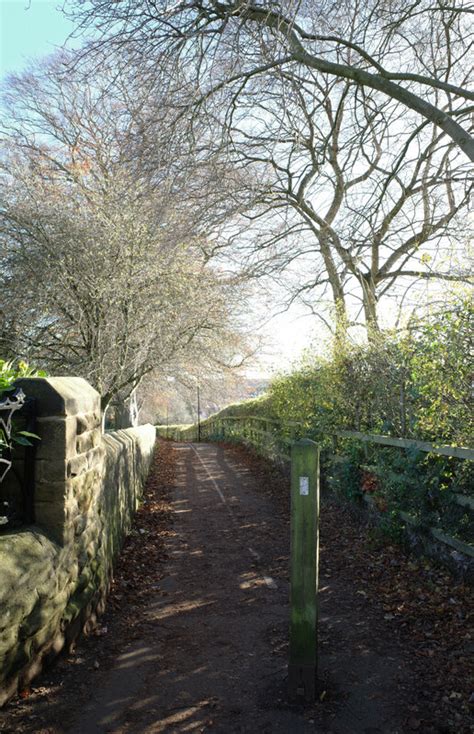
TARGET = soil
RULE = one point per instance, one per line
(195, 637)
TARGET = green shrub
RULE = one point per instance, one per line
(9, 372)
(416, 385)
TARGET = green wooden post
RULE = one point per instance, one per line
(302, 666)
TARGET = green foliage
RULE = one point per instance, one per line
(440, 358)
(463, 481)
(261, 406)
(372, 389)
(416, 385)
(9, 372)
(346, 478)
(410, 481)
(310, 396)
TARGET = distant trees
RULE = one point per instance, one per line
(352, 123)
(102, 272)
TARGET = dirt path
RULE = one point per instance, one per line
(217, 656)
(207, 647)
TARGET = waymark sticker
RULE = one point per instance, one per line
(304, 486)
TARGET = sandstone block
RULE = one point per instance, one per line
(87, 422)
(42, 637)
(95, 458)
(52, 492)
(80, 524)
(61, 396)
(89, 440)
(58, 438)
(52, 582)
(53, 518)
(51, 470)
(77, 465)
(8, 687)
(8, 639)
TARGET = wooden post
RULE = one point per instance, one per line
(266, 442)
(302, 666)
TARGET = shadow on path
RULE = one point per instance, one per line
(213, 654)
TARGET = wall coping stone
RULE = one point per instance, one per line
(60, 396)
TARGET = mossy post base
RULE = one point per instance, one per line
(302, 666)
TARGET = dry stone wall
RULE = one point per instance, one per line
(54, 576)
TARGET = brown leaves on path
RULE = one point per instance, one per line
(428, 614)
(58, 695)
(139, 567)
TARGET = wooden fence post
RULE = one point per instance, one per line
(302, 666)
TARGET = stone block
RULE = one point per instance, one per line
(50, 471)
(42, 636)
(77, 465)
(68, 573)
(55, 493)
(80, 524)
(8, 639)
(87, 441)
(8, 687)
(26, 560)
(31, 670)
(57, 503)
(52, 517)
(72, 509)
(81, 425)
(58, 438)
(87, 422)
(95, 458)
(44, 618)
(85, 488)
(61, 396)
(91, 549)
(52, 582)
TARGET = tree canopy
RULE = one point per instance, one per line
(101, 276)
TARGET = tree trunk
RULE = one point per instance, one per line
(369, 297)
(126, 412)
(340, 335)
(336, 288)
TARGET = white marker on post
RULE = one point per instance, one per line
(304, 486)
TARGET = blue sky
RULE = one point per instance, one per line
(29, 29)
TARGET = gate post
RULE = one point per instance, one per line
(302, 666)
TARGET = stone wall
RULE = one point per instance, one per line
(54, 576)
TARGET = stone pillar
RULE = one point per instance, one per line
(69, 458)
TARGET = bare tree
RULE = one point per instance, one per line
(417, 54)
(361, 194)
(320, 106)
(102, 279)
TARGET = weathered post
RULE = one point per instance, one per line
(304, 569)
